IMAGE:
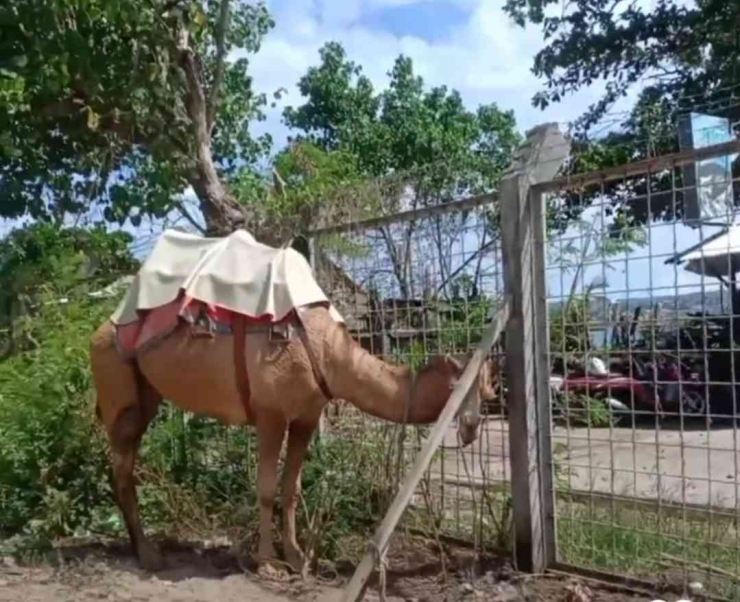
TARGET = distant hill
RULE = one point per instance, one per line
(709, 301)
(694, 302)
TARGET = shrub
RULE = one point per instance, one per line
(52, 458)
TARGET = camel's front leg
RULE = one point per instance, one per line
(270, 434)
(299, 437)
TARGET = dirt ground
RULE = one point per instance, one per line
(107, 572)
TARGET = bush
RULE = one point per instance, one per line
(581, 410)
(52, 458)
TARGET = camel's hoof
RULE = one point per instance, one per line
(296, 559)
(150, 558)
(271, 569)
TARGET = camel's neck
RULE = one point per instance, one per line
(377, 388)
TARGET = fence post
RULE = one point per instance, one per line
(527, 361)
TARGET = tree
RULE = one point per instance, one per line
(684, 51)
(422, 146)
(403, 127)
(125, 104)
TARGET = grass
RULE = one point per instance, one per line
(667, 545)
(639, 539)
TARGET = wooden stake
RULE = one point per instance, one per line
(355, 590)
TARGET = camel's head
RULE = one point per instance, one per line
(439, 378)
(469, 416)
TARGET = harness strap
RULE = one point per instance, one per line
(317, 373)
(240, 363)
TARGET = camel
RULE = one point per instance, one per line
(199, 375)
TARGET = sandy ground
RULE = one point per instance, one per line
(94, 573)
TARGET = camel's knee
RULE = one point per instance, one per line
(291, 494)
(127, 429)
(267, 496)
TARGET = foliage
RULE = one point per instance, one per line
(341, 101)
(644, 540)
(317, 188)
(403, 127)
(462, 322)
(33, 257)
(569, 327)
(685, 55)
(52, 460)
(40, 253)
(687, 50)
(336, 503)
(580, 410)
(124, 104)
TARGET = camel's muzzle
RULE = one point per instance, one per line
(467, 431)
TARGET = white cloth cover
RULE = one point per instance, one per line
(234, 272)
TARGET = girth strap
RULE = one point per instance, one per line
(240, 363)
(317, 373)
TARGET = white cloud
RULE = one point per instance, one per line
(395, 2)
(487, 58)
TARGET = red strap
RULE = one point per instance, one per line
(240, 363)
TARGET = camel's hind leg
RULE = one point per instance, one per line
(126, 406)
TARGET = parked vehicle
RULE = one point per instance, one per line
(668, 388)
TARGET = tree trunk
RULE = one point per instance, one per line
(221, 211)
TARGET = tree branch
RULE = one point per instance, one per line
(396, 261)
(278, 183)
(189, 217)
(467, 262)
(213, 97)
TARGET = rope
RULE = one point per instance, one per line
(382, 564)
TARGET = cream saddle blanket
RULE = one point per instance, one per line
(230, 274)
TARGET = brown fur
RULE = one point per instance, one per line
(198, 375)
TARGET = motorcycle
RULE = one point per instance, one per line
(669, 387)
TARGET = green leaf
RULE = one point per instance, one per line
(93, 119)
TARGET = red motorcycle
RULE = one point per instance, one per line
(660, 390)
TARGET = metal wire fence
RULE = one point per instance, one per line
(411, 286)
(644, 332)
(642, 353)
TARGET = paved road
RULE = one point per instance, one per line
(696, 467)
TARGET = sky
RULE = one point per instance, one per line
(468, 45)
